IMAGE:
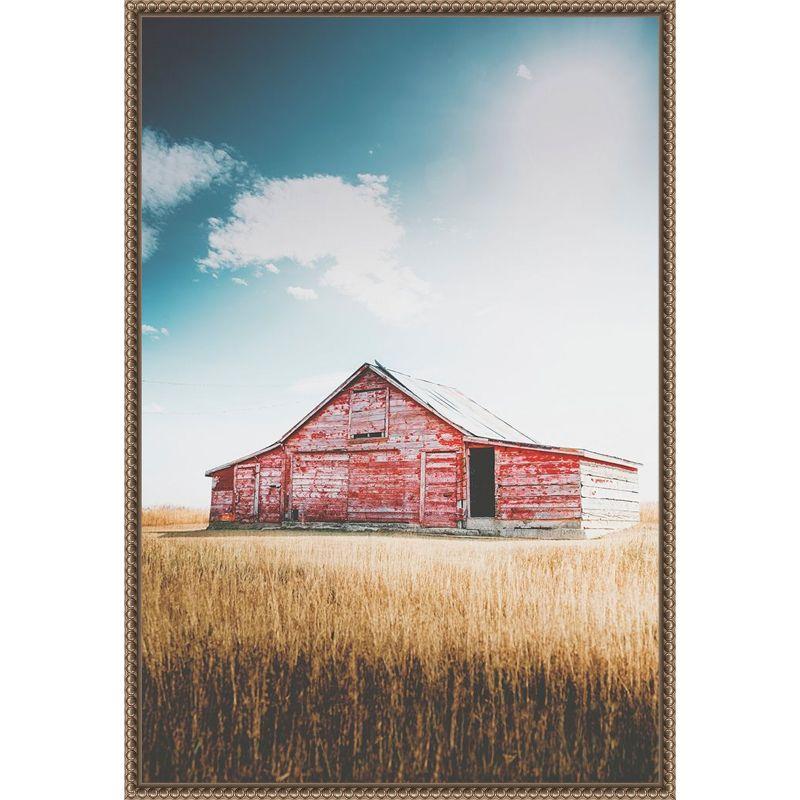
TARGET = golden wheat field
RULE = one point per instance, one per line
(277, 657)
(155, 516)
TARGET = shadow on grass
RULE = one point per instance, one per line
(208, 533)
(268, 533)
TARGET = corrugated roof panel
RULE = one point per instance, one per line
(459, 409)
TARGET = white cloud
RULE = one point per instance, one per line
(153, 332)
(259, 271)
(239, 281)
(149, 240)
(299, 293)
(154, 408)
(524, 72)
(172, 173)
(349, 230)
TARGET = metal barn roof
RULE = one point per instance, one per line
(451, 405)
(457, 408)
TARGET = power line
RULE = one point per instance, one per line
(221, 385)
(224, 411)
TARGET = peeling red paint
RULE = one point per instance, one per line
(537, 485)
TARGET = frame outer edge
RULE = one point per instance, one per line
(132, 360)
(133, 11)
(668, 399)
(399, 7)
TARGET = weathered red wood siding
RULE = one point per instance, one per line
(222, 496)
(233, 490)
(368, 412)
(270, 486)
(319, 486)
(442, 485)
(323, 474)
(245, 479)
(383, 485)
(537, 486)
(377, 478)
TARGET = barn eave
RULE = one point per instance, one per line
(236, 461)
(572, 451)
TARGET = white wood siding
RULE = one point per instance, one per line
(609, 497)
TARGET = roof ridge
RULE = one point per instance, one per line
(423, 380)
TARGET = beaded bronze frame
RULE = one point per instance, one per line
(134, 10)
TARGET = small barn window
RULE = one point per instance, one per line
(368, 414)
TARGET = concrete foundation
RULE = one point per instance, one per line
(478, 527)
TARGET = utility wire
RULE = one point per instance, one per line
(226, 386)
(224, 411)
(221, 385)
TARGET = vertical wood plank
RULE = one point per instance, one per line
(422, 488)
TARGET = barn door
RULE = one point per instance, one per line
(381, 488)
(439, 490)
(481, 482)
(319, 487)
(269, 494)
(245, 492)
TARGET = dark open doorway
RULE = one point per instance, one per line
(481, 482)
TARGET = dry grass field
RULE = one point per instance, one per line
(164, 516)
(279, 657)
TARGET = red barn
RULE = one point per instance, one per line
(387, 449)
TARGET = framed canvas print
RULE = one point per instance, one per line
(400, 399)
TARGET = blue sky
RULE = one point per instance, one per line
(471, 200)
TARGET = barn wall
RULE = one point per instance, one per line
(324, 475)
(245, 500)
(384, 486)
(537, 487)
(271, 482)
(319, 486)
(222, 496)
(443, 489)
(335, 478)
(609, 496)
(409, 424)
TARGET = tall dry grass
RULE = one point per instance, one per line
(649, 513)
(154, 516)
(309, 658)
